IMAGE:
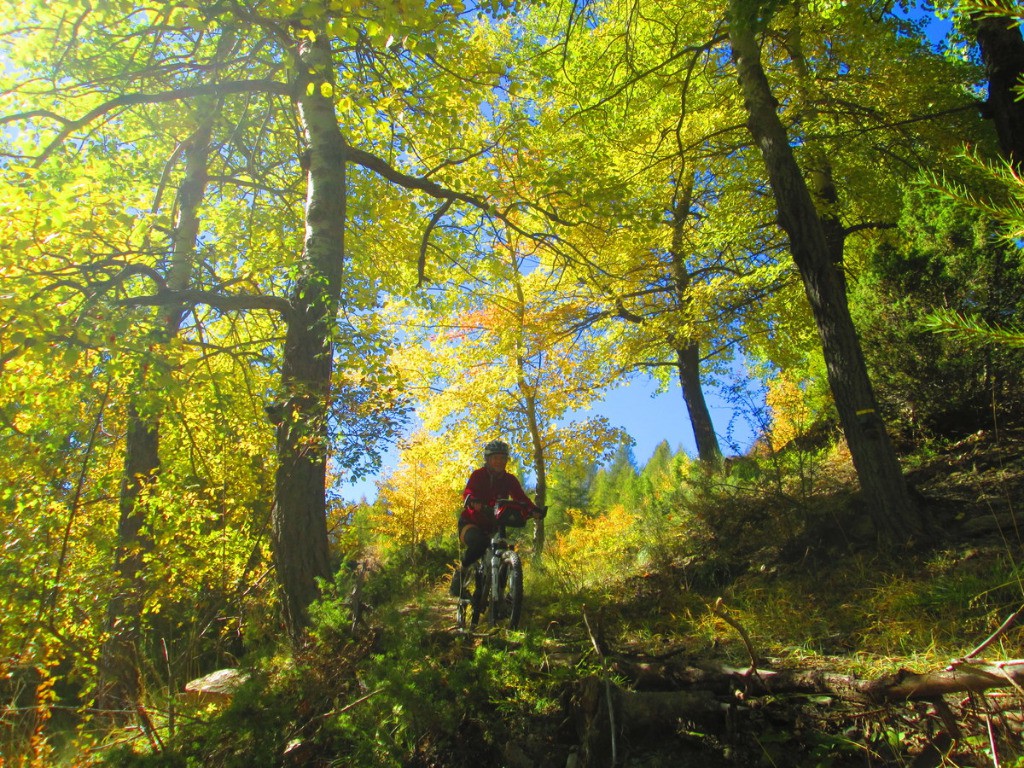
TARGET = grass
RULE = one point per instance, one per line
(828, 597)
(408, 691)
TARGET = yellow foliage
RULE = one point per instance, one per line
(791, 415)
(420, 501)
(594, 552)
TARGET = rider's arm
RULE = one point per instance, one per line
(515, 491)
(475, 494)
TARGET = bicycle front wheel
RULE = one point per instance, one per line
(481, 593)
(510, 590)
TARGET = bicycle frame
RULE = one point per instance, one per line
(494, 553)
(498, 575)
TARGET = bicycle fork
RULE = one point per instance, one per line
(497, 585)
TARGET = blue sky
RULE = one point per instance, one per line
(651, 418)
(648, 417)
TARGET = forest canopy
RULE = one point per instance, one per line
(247, 249)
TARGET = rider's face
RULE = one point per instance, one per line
(496, 462)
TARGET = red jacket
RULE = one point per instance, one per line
(488, 487)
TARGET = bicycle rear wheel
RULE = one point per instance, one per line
(510, 591)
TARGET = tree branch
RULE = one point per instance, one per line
(695, 49)
(220, 301)
(422, 264)
(867, 225)
(382, 168)
(131, 99)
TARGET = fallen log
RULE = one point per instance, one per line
(606, 711)
(904, 685)
(960, 677)
(712, 697)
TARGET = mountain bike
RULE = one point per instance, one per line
(498, 575)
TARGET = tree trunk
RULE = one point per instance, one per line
(299, 531)
(540, 467)
(888, 501)
(821, 181)
(118, 666)
(529, 402)
(688, 362)
(688, 350)
(1002, 50)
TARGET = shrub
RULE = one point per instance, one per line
(594, 552)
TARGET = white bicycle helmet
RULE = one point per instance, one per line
(495, 446)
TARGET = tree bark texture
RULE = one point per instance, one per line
(299, 530)
(821, 181)
(529, 400)
(540, 468)
(688, 350)
(885, 493)
(688, 364)
(904, 685)
(1002, 51)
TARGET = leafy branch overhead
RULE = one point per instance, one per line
(252, 254)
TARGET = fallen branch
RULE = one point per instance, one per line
(1011, 620)
(904, 685)
(721, 611)
(712, 698)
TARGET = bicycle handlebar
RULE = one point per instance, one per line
(536, 511)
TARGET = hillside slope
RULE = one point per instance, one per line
(772, 633)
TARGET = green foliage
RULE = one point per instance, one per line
(105, 214)
(949, 259)
(973, 329)
(569, 488)
(610, 211)
(331, 614)
(417, 690)
(1000, 202)
(418, 695)
(618, 484)
(408, 691)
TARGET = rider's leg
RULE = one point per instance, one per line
(475, 541)
(476, 544)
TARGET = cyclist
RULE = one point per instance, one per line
(476, 523)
